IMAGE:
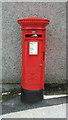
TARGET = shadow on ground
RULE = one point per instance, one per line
(14, 104)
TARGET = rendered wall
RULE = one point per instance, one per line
(55, 69)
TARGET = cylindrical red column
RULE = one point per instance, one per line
(33, 57)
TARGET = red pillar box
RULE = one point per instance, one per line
(33, 57)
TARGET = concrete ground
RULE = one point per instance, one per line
(53, 106)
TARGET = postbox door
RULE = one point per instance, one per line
(33, 65)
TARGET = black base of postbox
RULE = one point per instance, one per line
(31, 96)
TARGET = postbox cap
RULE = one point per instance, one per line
(33, 21)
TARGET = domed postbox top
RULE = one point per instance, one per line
(36, 21)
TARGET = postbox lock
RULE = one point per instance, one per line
(40, 65)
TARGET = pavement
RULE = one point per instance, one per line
(53, 106)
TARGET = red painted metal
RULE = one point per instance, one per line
(33, 64)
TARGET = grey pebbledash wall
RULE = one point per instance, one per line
(55, 68)
(0, 42)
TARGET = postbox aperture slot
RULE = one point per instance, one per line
(33, 35)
